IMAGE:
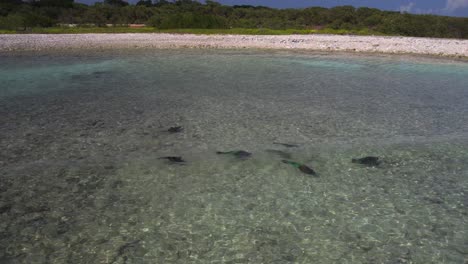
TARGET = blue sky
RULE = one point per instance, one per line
(440, 7)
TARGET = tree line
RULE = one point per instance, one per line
(164, 14)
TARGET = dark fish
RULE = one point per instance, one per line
(176, 129)
(236, 153)
(286, 145)
(368, 161)
(95, 123)
(77, 77)
(86, 76)
(280, 153)
(130, 246)
(173, 158)
(126, 246)
(100, 72)
(301, 167)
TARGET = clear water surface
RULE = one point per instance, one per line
(81, 136)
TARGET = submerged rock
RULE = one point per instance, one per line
(368, 161)
(176, 129)
(305, 169)
(241, 154)
(175, 159)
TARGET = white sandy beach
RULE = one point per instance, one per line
(372, 44)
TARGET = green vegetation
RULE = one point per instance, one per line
(187, 16)
(232, 31)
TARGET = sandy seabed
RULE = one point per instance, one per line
(82, 133)
(370, 44)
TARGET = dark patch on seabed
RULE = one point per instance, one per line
(81, 181)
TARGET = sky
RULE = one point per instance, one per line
(438, 7)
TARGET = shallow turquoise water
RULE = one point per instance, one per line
(81, 135)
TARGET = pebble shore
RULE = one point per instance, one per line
(369, 44)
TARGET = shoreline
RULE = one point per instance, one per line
(452, 48)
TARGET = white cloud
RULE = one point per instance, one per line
(453, 5)
(407, 8)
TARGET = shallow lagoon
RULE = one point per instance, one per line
(81, 135)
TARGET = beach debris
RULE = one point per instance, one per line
(175, 129)
(241, 154)
(305, 169)
(286, 145)
(370, 161)
(282, 154)
(175, 159)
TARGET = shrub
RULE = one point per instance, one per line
(187, 20)
(12, 22)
